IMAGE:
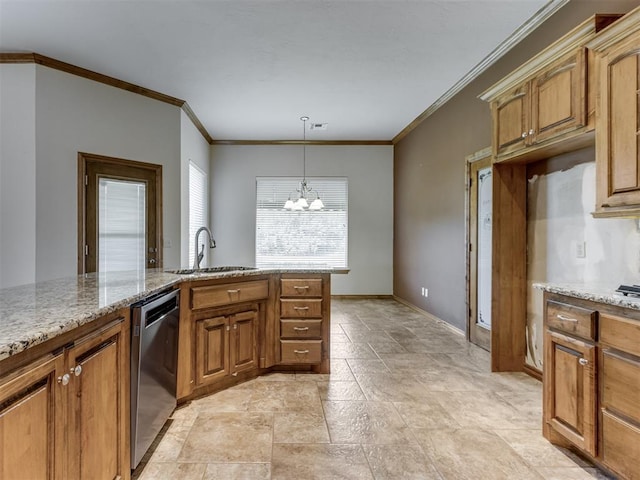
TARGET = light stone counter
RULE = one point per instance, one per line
(594, 292)
(32, 314)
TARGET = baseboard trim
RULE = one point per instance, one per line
(430, 316)
(362, 297)
(532, 372)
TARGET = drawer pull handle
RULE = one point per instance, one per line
(583, 361)
(301, 352)
(301, 308)
(237, 290)
(566, 319)
(300, 287)
(301, 329)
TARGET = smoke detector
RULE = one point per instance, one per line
(318, 126)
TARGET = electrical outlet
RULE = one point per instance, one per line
(581, 250)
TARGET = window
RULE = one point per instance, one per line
(197, 207)
(285, 237)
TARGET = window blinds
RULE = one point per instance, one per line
(301, 238)
(197, 207)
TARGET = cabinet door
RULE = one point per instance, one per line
(31, 422)
(617, 126)
(558, 98)
(211, 349)
(98, 405)
(244, 345)
(511, 121)
(570, 389)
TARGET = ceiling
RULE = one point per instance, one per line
(250, 68)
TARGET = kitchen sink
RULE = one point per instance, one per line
(225, 268)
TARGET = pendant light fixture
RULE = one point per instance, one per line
(301, 194)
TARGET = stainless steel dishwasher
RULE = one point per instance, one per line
(154, 358)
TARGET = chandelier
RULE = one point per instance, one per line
(302, 193)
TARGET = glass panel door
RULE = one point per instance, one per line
(121, 225)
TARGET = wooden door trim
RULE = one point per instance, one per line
(83, 158)
(480, 159)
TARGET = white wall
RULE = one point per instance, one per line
(74, 115)
(17, 174)
(370, 172)
(559, 217)
(193, 147)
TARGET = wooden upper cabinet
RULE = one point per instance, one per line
(542, 108)
(617, 53)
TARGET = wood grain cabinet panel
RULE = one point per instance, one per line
(301, 328)
(570, 389)
(617, 54)
(301, 351)
(301, 308)
(301, 287)
(228, 294)
(621, 384)
(212, 349)
(31, 422)
(621, 446)
(511, 120)
(67, 416)
(244, 345)
(571, 319)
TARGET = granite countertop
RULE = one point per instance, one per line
(32, 314)
(595, 292)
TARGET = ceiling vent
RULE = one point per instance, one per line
(318, 126)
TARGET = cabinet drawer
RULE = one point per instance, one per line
(571, 319)
(229, 293)
(621, 384)
(302, 308)
(300, 328)
(620, 446)
(301, 351)
(304, 287)
(621, 333)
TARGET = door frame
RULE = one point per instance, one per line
(83, 158)
(477, 335)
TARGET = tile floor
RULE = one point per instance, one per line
(407, 398)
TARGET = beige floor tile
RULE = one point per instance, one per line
(235, 399)
(390, 346)
(391, 387)
(484, 410)
(366, 422)
(229, 438)
(409, 362)
(426, 414)
(367, 365)
(340, 391)
(352, 350)
(470, 454)
(574, 473)
(276, 377)
(290, 397)
(406, 462)
(168, 449)
(299, 428)
(238, 471)
(537, 451)
(171, 471)
(339, 338)
(340, 372)
(326, 462)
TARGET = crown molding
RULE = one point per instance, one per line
(302, 142)
(107, 80)
(525, 29)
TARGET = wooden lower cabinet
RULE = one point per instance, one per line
(65, 416)
(592, 385)
(226, 344)
(31, 422)
(570, 396)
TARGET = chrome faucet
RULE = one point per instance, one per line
(200, 254)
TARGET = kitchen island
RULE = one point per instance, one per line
(65, 355)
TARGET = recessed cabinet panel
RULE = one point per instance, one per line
(303, 308)
(212, 349)
(570, 389)
(511, 121)
(621, 383)
(243, 335)
(620, 446)
(30, 427)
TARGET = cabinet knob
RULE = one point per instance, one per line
(64, 379)
(235, 326)
(524, 134)
(583, 361)
(234, 374)
(531, 132)
(77, 370)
